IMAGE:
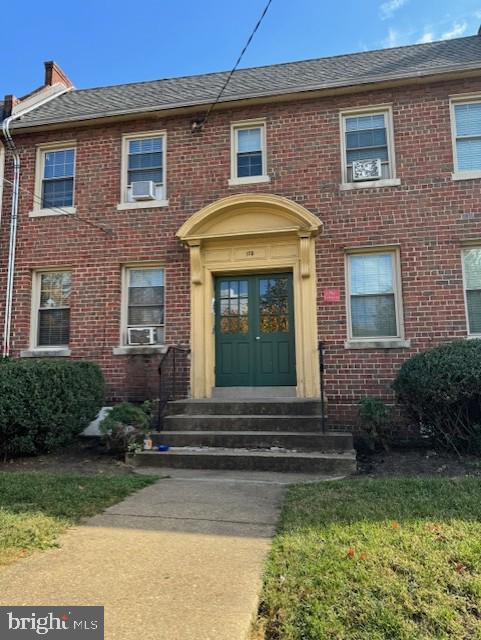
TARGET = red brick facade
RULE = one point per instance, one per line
(428, 216)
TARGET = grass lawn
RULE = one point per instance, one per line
(36, 507)
(376, 559)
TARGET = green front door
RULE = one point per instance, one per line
(254, 331)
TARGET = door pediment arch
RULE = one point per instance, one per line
(249, 214)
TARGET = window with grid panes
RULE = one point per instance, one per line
(249, 151)
(53, 326)
(145, 300)
(366, 138)
(145, 162)
(58, 178)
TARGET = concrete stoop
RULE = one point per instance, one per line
(255, 435)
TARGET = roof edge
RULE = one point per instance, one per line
(303, 93)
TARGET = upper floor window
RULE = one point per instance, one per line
(51, 308)
(467, 137)
(374, 297)
(143, 170)
(367, 148)
(472, 288)
(54, 179)
(248, 153)
(143, 301)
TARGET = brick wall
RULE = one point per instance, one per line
(428, 216)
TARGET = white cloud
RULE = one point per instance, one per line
(428, 36)
(392, 39)
(390, 7)
(477, 14)
(456, 31)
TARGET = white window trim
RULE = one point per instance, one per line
(35, 350)
(124, 348)
(393, 181)
(453, 101)
(124, 205)
(247, 124)
(465, 248)
(38, 211)
(388, 342)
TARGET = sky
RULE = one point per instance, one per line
(103, 42)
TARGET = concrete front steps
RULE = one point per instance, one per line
(255, 435)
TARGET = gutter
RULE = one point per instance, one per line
(10, 144)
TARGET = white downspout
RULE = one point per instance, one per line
(14, 215)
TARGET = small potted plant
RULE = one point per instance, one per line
(126, 427)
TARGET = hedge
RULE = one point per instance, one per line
(440, 389)
(45, 404)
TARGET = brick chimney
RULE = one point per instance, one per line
(55, 75)
(8, 103)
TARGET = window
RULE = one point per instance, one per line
(144, 160)
(472, 286)
(367, 136)
(374, 295)
(52, 292)
(144, 301)
(248, 153)
(467, 136)
(58, 177)
(55, 179)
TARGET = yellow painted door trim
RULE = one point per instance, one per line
(252, 233)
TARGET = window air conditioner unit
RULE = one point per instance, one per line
(141, 335)
(143, 190)
(366, 170)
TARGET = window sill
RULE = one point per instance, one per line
(234, 182)
(138, 350)
(383, 343)
(147, 204)
(43, 213)
(466, 175)
(39, 352)
(370, 184)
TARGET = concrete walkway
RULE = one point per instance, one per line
(179, 560)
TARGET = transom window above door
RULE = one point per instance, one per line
(143, 170)
(248, 153)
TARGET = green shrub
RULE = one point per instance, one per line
(125, 426)
(441, 389)
(375, 416)
(45, 404)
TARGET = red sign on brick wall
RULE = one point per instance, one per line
(331, 295)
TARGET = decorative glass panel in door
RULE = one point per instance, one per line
(255, 331)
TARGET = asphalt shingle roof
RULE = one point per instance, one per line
(322, 73)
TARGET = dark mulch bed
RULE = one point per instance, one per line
(419, 462)
(85, 458)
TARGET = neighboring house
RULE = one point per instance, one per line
(336, 199)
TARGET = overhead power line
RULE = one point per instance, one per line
(198, 124)
(60, 210)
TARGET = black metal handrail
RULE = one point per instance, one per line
(175, 386)
(321, 375)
